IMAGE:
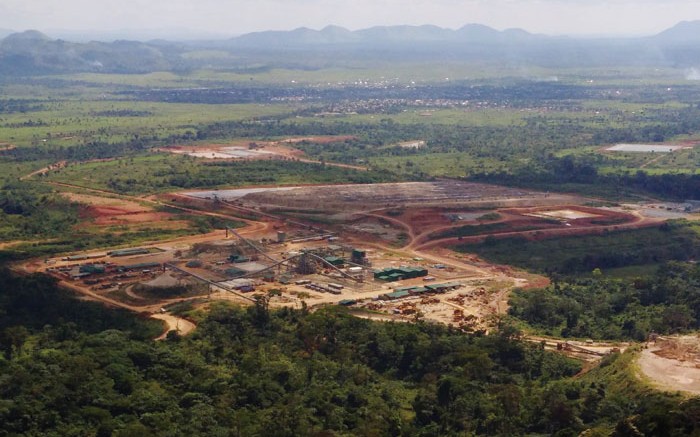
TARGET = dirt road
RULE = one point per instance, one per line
(638, 223)
(43, 171)
(184, 326)
(180, 325)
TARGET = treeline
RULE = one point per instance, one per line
(565, 173)
(667, 301)
(508, 143)
(121, 113)
(528, 148)
(670, 241)
(11, 106)
(93, 149)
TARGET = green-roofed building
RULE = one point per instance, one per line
(398, 273)
(395, 295)
(140, 266)
(92, 268)
(334, 261)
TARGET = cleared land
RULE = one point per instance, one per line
(646, 148)
(566, 214)
(104, 211)
(255, 150)
(227, 152)
(673, 363)
(371, 196)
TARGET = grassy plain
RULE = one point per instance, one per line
(70, 122)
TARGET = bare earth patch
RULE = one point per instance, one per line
(246, 149)
(104, 201)
(567, 214)
(106, 211)
(673, 363)
(646, 148)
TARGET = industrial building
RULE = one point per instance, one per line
(359, 257)
(391, 274)
(402, 292)
(139, 266)
(128, 252)
(93, 268)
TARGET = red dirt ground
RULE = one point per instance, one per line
(112, 215)
(422, 219)
(604, 216)
(517, 222)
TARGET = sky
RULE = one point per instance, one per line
(234, 17)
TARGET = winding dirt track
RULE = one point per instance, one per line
(183, 326)
(418, 240)
(541, 233)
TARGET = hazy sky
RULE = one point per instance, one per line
(233, 17)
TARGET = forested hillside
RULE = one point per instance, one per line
(260, 372)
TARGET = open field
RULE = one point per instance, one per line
(68, 123)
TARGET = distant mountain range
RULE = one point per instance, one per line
(31, 52)
(381, 35)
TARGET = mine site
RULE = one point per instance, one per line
(382, 250)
